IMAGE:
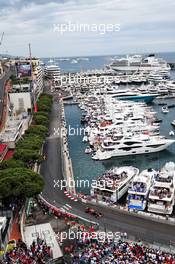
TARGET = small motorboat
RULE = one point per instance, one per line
(157, 120)
(88, 150)
(85, 139)
(173, 123)
(165, 109)
(171, 133)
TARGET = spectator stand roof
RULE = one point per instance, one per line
(45, 232)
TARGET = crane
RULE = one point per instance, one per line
(2, 36)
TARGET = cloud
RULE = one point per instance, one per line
(143, 23)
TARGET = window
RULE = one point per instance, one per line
(21, 104)
(129, 148)
(155, 146)
(122, 187)
(129, 143)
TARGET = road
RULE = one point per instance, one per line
(2, 82)
(114, 220)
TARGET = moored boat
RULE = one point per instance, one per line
(165, 109)
(88, 150)
(139, 189)
(132, 146)
(161, 196)
(113, 184)
(173, 123)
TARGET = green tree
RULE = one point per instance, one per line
(37, 130)
(11, 163)
(43, 106)
(27, 155)
(20, 183)
(45, 102)
(41, 120)
(41, 113)
(16, 180)
(30, 142)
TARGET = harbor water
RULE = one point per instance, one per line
(86, 168)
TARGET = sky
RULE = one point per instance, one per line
(108, 27)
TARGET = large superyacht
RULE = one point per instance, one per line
(138, 63)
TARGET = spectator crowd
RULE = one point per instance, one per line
(38, 253)
(92, 251)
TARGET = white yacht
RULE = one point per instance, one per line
(142, 144)
(138, 63)
(162, 89)
(113, 184)
(173, 123)
(139, 189)
(152, 89)
(161, 196)
(171, 86)
(112, 133)
(74, 61)
(121, 128)
(52, 72)
(155, 77)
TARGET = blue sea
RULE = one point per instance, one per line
(95, 62)
(86, 168)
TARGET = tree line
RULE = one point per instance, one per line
(17, 178)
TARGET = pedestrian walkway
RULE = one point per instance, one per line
(4, 105)
(15, 232)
